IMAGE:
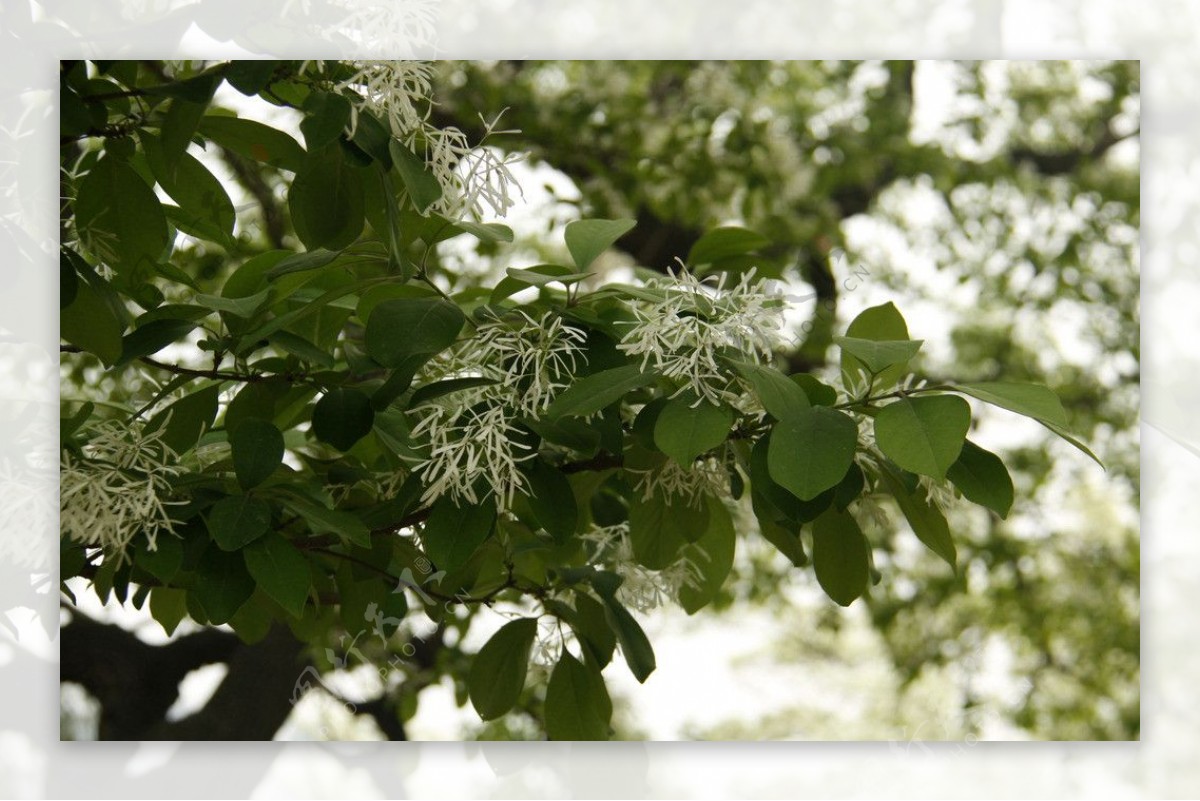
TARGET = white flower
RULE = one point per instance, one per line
(474, 453)
(683, 335)
(116, 491)
(643, 589)
(707, 477)
(471, 175)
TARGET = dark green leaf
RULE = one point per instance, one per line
(446, 387)
(342, 417)
(587, 239)
(257, 448)
(712, 556)
(240, 307)
(592, 393)
(423, 187)
(639, 655)
(89, 324)
(302, 262)
(326, 118)
(818, 393)
(405, 327)
(281, 571)
(923, 434)
(238, 520)
(498, 671)
(840, 557)
(982, 478)
(152, 337)
(168, 606)
(658, 529)
(165, 560)
(187, 418)
(120, 219)
(925, 519)
(326, 201)
(323, 519)
(552, 501)
(254, 141)
(453, 532)
(577, 703)
(250, 76)
(811, 451)
(486, 232)
(593, 630)
(179, 124)
(683, 431)
(222, 585)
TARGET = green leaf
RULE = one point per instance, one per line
(422, 185)
(982, 478)
(168, 606)
(498, 671)
(880, 323)
(254, 141)
(152, 337)
(486, 232)
(635, 646)
(841, 557)
(684, 431)
(712, 555)
(658, 529)
(281, 570)
(811, 451)
(404, 327)
(322, 519)
(327, 116)
(120, 219)
(592, 393)
(1031, 400)
(595, 635)
(877, 356)
(849, 488)
(578, 706)
(237, 521)
(771, 500)
(721, 243)
(241, 307)
(302, 262)
(779, 395)
(342, 417)
(165, 560)
(552, 501)
(326, 201)
(817, 392)
(250, 76)
(452, 532)
(784, 539)
(446, 387)
(201, 197)
(187, 418)
(535, 278)
(196, 89)
(257, 448)
(179, 124)
(301, 348)
(1069, 437)
(587, 239)
(925, 519)
(222, 585)
(89, 324)
(923, 434)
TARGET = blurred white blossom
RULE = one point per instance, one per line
(118, 490)
(683, 335)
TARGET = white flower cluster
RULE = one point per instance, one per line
(643, 589)
(116, 492)
(474, 452)
(471, 176)
(707, 477)
(684, 335)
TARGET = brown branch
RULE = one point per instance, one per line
(250, 177)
